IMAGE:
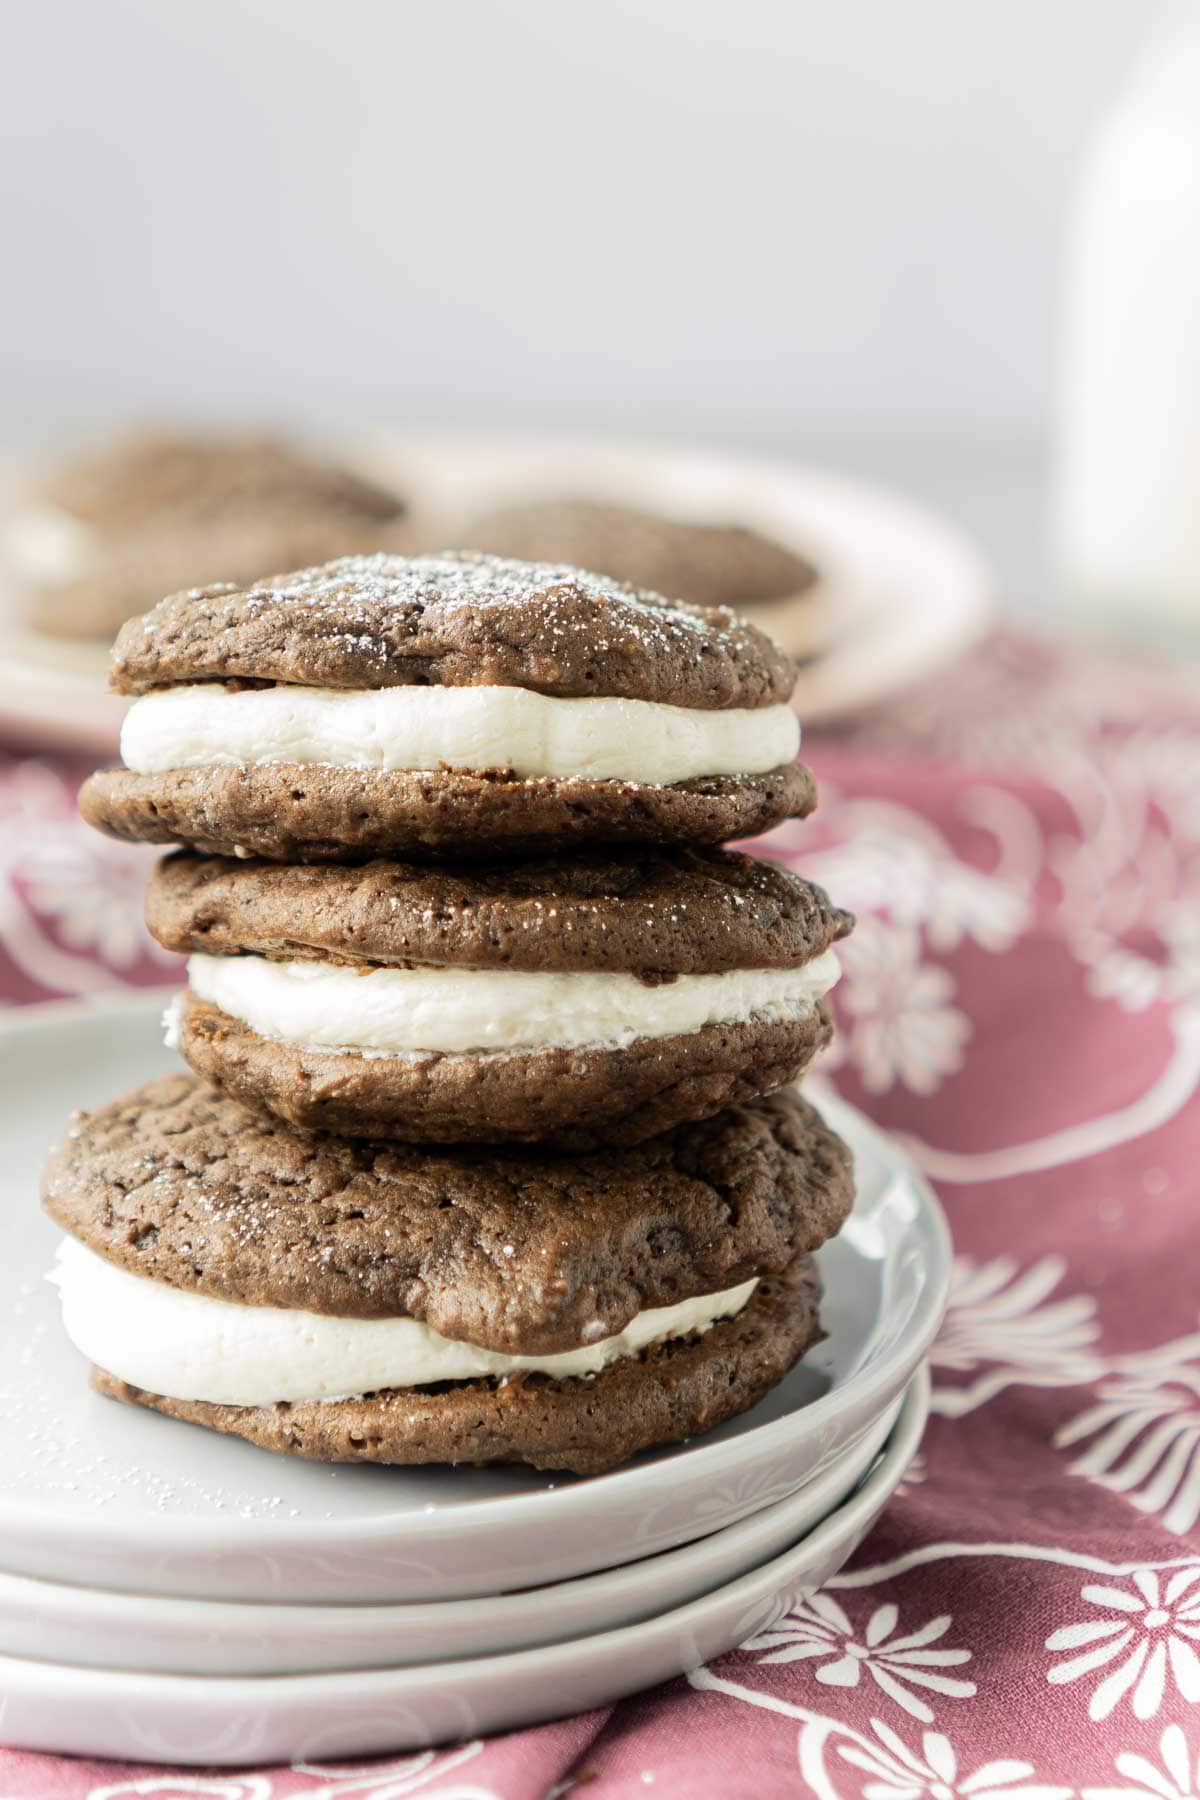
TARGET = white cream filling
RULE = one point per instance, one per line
(430, 728)
(193, 1347)
(48, 546)
(424, 1010)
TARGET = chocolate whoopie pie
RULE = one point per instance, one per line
(712, 565)
(455, 704)
(352, 1301)
(109, 532)
(573, 1001)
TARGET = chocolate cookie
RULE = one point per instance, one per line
(574, 1002)
(119, 486)
(455, 620)
(295, 813)
(660, 914)
(460, 703)
(572, 1099)
(712, 565)
(526, 1254)
(106, 534)
(674, 1390)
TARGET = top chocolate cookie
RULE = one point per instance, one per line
(450, 705)
(456, 620)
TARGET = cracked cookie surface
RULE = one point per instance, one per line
(524, 1252)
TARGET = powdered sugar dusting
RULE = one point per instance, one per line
(359, 585)
(471, 578)
(455, 618)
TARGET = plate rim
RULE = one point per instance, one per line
(191, 1613)
(868, 1498)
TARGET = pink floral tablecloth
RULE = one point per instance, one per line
(1021, 1005)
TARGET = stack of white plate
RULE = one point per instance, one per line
(171, 1595)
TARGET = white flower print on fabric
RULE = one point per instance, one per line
(1135, 979)
(818, 1628)
(1130, 875)
(94, 896)
(898, 1773)
(893, 860)
(1175, 1777)
(1148, 1633)
(899, 1024)
(1002, 1327)
(71, 901)
(424, 1773)
(230, 1787)
(1145, 1430)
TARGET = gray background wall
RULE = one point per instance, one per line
(740, 219)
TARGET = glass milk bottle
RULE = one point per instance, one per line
(1128, 504)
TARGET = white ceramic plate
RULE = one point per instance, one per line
(57, 1622)
(137, 1717)
(902, 591)
(111, 1496)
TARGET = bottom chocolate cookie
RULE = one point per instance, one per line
(672, 1391)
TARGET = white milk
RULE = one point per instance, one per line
(1129, 493)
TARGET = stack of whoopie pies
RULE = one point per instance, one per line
(490, 1152)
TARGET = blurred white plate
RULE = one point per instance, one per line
(144, 1717)
(108, 1495)
(901, 591)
